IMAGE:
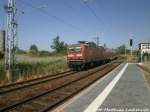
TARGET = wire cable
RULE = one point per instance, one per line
(52, 16)
(92, 11)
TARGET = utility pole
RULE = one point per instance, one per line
(97, 41)
(11, 38)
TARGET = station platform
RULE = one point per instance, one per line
(122, 90)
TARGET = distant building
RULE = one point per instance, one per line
(144, 48)
(2, 41)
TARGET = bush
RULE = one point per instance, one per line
(44, 53)
(20, 51)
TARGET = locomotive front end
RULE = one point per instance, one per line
(75, 56)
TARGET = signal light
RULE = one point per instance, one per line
(131, 42)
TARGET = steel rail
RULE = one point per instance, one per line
(34, 82)
(27, 81)
(144, 68)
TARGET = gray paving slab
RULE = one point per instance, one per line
(80, 104)
(130, 94)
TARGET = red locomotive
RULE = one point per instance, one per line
(87, 54)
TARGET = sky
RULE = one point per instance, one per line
(113, 21)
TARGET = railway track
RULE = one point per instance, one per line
(145, 68)
(28, 83)
(52, 97)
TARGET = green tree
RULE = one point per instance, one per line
(58, 46)
(33, 49)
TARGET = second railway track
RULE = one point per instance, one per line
(25, 84)
(145, 68)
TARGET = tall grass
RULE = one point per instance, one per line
(30, 67)
(2, 70)
(34, 69)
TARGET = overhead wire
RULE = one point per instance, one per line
(52, 16)
(85, 2)
(92, 11)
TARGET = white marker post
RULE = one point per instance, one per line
(141, 56)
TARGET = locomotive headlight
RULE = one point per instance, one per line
(79, 55)
(70, 55)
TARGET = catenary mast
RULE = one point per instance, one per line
(11, 37)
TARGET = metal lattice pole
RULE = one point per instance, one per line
(11, 37)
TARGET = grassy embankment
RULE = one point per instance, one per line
(33, 66)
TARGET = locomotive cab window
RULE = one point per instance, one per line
(75, 49)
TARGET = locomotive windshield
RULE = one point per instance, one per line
(75, 49)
